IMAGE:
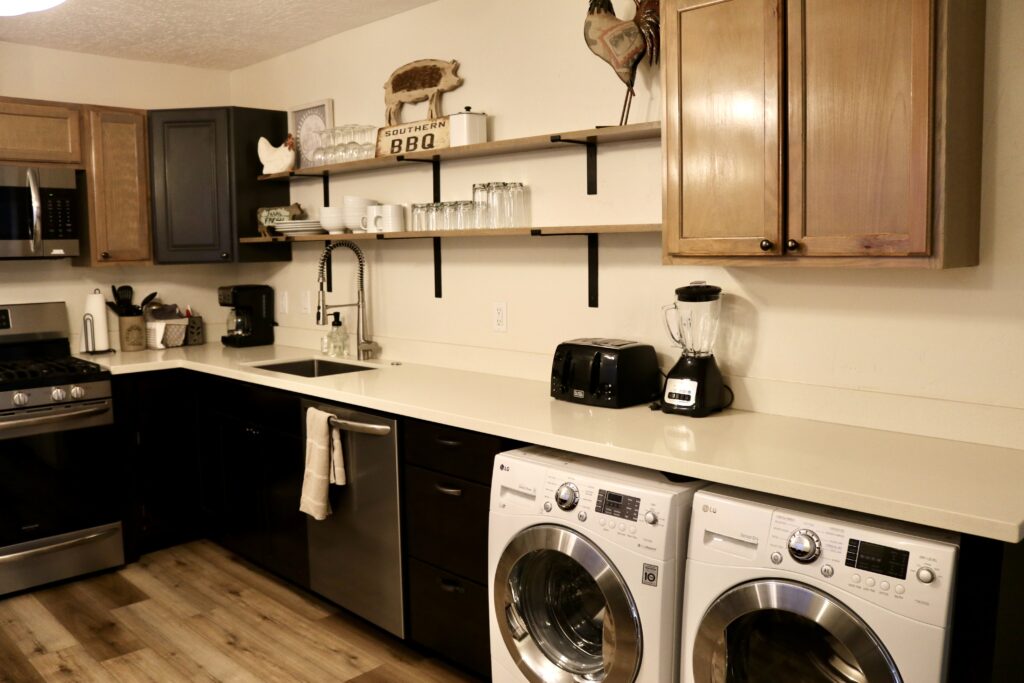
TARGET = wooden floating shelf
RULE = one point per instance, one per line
(643, 228)
(636, 131)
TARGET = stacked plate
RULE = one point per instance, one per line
(306, 227)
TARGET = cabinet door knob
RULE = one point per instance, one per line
(224, 255)
(792, 245)
(766, 245)
(104, 254)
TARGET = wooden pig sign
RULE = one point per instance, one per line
(424, 79)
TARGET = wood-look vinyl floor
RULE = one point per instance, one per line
(197, 613)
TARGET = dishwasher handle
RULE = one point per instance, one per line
(360, 427)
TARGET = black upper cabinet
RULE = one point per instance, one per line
(205, 192)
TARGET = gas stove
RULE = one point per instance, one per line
(36, 365)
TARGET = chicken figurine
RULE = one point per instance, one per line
(624, 44)
(276, 159)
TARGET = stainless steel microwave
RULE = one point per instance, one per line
(40, 212)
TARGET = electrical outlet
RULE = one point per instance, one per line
(282, 302)
(307, 302)
(499, 317)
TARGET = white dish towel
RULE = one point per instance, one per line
(325, 464)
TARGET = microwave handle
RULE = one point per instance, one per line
(37, 210)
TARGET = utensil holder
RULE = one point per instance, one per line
(194, 334)
(131, 331)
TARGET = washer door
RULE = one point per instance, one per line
(564, 611)
(770, 631)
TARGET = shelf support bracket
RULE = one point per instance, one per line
(327, 189)
(435, 164)
(592, 261)
(591, 145)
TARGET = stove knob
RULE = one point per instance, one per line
(77, 392)
(804, 546)
(58, 394)
(567, 496)
(20, 399)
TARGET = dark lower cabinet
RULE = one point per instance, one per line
(154, 413)
(205, 188)
(446, 478)
(448, 614)
(253, 475)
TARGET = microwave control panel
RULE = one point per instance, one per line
(59, 208)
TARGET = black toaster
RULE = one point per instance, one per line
(613, 373)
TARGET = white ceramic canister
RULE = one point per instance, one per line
(467, 128)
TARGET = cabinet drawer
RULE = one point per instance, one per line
(446, 522)
(449, 615)
(454, 451)
(39, 132)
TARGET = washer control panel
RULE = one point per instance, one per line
(902, 567)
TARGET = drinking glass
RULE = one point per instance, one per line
(499, 203)
(323, 147)
(433, 219)
(419, 217)
(517, 199)
(337, 146)
(466, 215)
(349, 141)
(482, 214)
(448, 215)
(368, 142)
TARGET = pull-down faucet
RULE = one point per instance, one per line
(366, 349)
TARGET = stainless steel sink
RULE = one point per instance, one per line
(312, 367)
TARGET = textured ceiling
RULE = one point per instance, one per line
(220, 34)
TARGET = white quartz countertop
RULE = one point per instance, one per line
(970, 488)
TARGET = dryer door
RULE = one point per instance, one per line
(769, 631)
(564, 611)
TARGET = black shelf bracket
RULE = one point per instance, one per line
(435, 163)
(327, 189)
(592, 261)
(591, 145)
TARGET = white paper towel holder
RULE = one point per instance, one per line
(89, 333)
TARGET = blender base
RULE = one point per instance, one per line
(694, 387)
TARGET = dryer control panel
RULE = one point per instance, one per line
(902, 567)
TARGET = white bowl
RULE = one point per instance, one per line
(332, 222)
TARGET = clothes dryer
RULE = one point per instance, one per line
(780, 590)
(585, 569)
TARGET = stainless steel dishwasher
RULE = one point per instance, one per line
(355, 555)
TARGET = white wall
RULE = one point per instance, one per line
(929, 352)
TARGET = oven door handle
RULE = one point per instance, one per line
(34, 421)
(63, 545)
(36, 236)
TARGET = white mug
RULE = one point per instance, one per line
(384, 218)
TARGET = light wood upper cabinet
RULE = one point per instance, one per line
(721, 126)
(40, 132)
(118, 170)
(880, 127)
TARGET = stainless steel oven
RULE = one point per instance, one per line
(40, 212)
(60, 471)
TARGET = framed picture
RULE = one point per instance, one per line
(305, 123)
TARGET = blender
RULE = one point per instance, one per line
(694, 385)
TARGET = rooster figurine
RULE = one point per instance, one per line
(623, 44)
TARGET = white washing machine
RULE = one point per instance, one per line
(778, 590)
(585, 569)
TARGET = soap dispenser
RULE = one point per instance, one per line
(337, 338)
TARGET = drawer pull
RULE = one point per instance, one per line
(450, 443)
(448, 491)
(449, 586)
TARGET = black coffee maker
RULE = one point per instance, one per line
(251, 320)
(694, 385)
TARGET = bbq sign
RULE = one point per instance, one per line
(419, 136)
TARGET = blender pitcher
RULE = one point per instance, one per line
(694, 385)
